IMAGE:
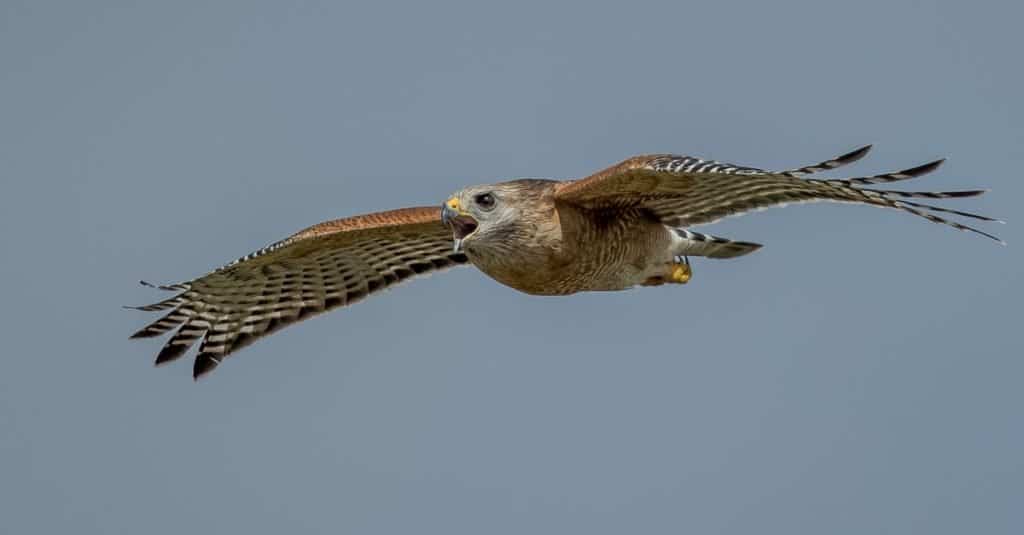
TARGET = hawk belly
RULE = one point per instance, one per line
(586, 252)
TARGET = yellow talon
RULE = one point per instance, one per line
(681, 273)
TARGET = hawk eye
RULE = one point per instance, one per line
(485, 201)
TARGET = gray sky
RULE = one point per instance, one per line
(860, 374)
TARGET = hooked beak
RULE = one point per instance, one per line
(462, 224)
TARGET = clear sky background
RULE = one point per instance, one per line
(860, 374)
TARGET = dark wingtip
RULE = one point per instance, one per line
(143, 308)
(924, 169)
(856, 154)
(997, 239)
(165, 287)
(965, 193)
(162, 359)
(204, 364)
(141, 334)
(171, 351)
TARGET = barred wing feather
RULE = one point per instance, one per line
(327, 266)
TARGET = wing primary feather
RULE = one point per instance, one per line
(955, 212)
(930, 194)
(165, 287)
(204, 364)
(178, 344)
(936, 219)
(834, 163)
(162, 325)
(885, 178)
(162, 305)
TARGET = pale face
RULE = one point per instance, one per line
(477, 213)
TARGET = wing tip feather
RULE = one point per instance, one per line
(856, 154)
(143, 333)
(170, 352)
(924, 168)
(203, 365)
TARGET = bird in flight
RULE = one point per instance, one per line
(623, 227)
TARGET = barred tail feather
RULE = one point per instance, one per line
(690, 243)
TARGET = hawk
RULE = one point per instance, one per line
(623, 227)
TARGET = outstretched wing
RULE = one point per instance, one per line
(326, 266)
(684, 191)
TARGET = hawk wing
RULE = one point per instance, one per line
(326, 266)
(684, 191)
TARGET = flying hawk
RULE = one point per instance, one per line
(626, 226)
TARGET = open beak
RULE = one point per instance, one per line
(462, 224)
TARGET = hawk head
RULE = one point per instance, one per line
(491, 214)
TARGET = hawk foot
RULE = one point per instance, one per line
(680, 271)
(676, 273)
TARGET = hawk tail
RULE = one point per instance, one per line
(690, 243)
